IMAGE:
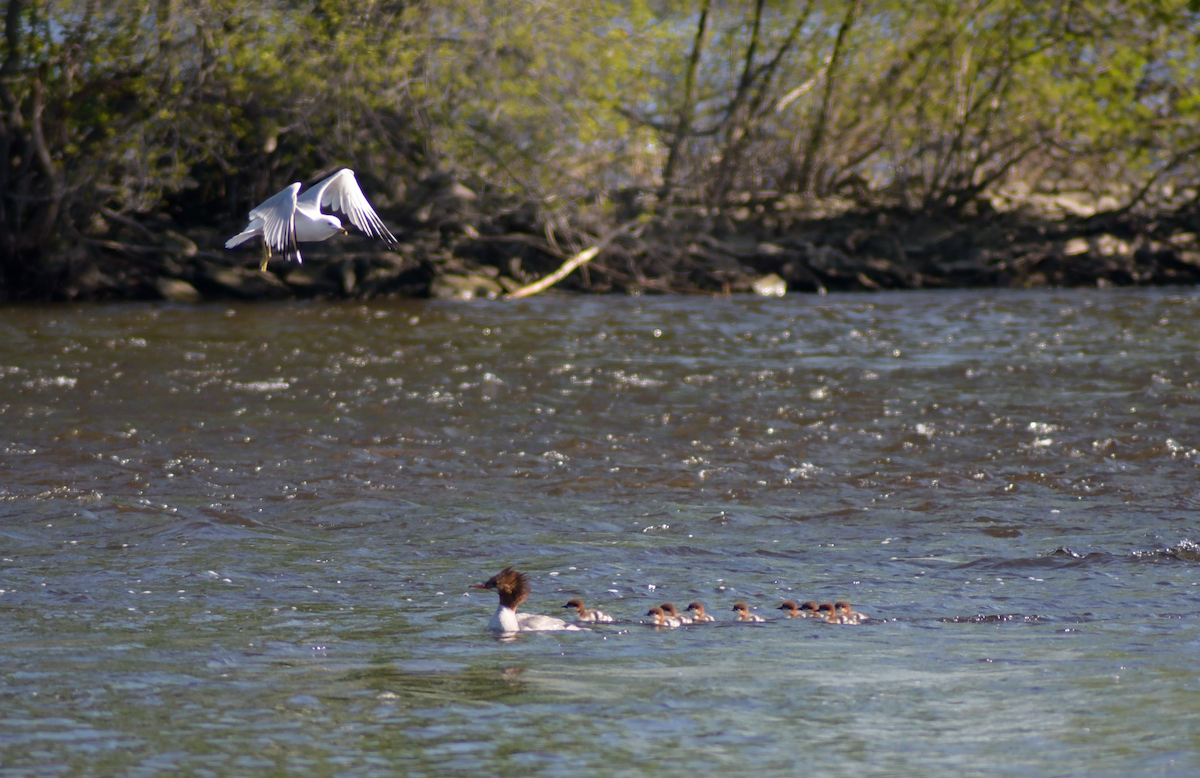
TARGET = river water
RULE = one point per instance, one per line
(238, 540)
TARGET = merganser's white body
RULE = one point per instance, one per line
(698, 614)
(585, 616)
(669, 609)
(513, 588)
(744, 614)
(844, 614)
(508, 620)
(661, 619)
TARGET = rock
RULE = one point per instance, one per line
(1076, 246)
(457, 191)
(1183, 240)
(94, 280)
(1109, 246)
(799, 277)
(245, 283)
(455, 287)
(770, 285)
(228, 277)
(1083, 204)
(772, 258)
(303, 276)
(177, 290)
(1104, 245)
(830, 261)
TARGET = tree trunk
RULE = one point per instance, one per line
(31, 181)
(11, 124)
(803, 178)
(747, 110)
(687, 107)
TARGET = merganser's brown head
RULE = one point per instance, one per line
(577, 605)
(669, 609)
(841, 606)
(698, 607)
(791, 607)
(825, 609)
(809, 607)
(513, 587)
(741, 608)
(659, 615)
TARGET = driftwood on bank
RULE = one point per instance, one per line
(572, 263)
(546, 282)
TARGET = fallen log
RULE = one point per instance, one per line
(565, 270)
(542, 284)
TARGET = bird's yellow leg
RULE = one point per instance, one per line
(262, 268)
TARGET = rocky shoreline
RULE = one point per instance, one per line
(452, 247)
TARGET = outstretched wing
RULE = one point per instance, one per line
(275, 220)
(341, 193)
(278, 217)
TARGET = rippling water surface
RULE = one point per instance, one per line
(238, 540)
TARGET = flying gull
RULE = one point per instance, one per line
(288, 218)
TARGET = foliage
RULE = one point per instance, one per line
(197, 109)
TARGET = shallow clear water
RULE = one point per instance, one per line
(238, 540)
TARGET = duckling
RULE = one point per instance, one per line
(661, 619)
(744, 614)
(584, 615)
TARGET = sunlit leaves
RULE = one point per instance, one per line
(221, 102)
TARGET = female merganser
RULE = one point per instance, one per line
(825, 610)
(669, 609)
(698, 614)
(661, 619)
(802, 611)
(744, 614)
(586, 615)
(843, 614)
(513, 588)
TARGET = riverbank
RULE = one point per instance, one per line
(453, 245)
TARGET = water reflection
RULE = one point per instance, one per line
(445, 683)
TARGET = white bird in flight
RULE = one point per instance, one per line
(285, 219)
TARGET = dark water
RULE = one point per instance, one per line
(237, 540)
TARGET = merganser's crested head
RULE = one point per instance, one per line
(841, 606)
(659, 615)
(741, 607)
(513, 587)
(790, 606)
(810, 607)
(825, 609)
(577, 604)
(669, 609)
(697, 607)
